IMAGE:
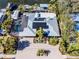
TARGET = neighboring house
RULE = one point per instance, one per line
(2, 17)
(44, 7)
(41, 8)
(75, 18)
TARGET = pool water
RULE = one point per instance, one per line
(17, 28)
(77, 27)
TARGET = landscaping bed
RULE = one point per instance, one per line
(42, 52)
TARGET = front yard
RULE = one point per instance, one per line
(30, 52)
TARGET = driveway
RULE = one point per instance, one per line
(30, 51)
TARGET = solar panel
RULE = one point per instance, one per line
(39, 24)
(39, 19)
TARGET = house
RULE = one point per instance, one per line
(47, 21)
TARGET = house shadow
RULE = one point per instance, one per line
(23, 44)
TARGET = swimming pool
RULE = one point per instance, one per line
(17, 28)
(77, 26)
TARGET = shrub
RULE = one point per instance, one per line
(53, 41)
(74, 53)
(63, 46)
(42, 52)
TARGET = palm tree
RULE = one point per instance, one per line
(40, 33)
(21, 8)
(6, 25)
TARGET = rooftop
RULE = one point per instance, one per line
(1, 17)
(50, 20)
(75, 17)
(44, 5)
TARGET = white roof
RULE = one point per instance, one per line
(53, 25)
(75, 17)
(15, 14)
(45, 15)
(1, 13)
(43, 5)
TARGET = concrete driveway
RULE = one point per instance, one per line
(30, 51)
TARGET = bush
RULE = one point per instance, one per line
(42, 52)
(63, 46)
(8, 43)
(53, 41)
(62, 49)
(74, 53)
(37, 40)
(73, 50)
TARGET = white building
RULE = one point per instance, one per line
(50, 20)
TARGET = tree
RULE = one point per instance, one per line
(40, 33)
(6, 25)
(21, 8)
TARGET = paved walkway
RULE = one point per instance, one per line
(30, 51)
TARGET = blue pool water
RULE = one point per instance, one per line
(77, 27)
(17, 28)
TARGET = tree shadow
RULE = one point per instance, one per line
(23, 44)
